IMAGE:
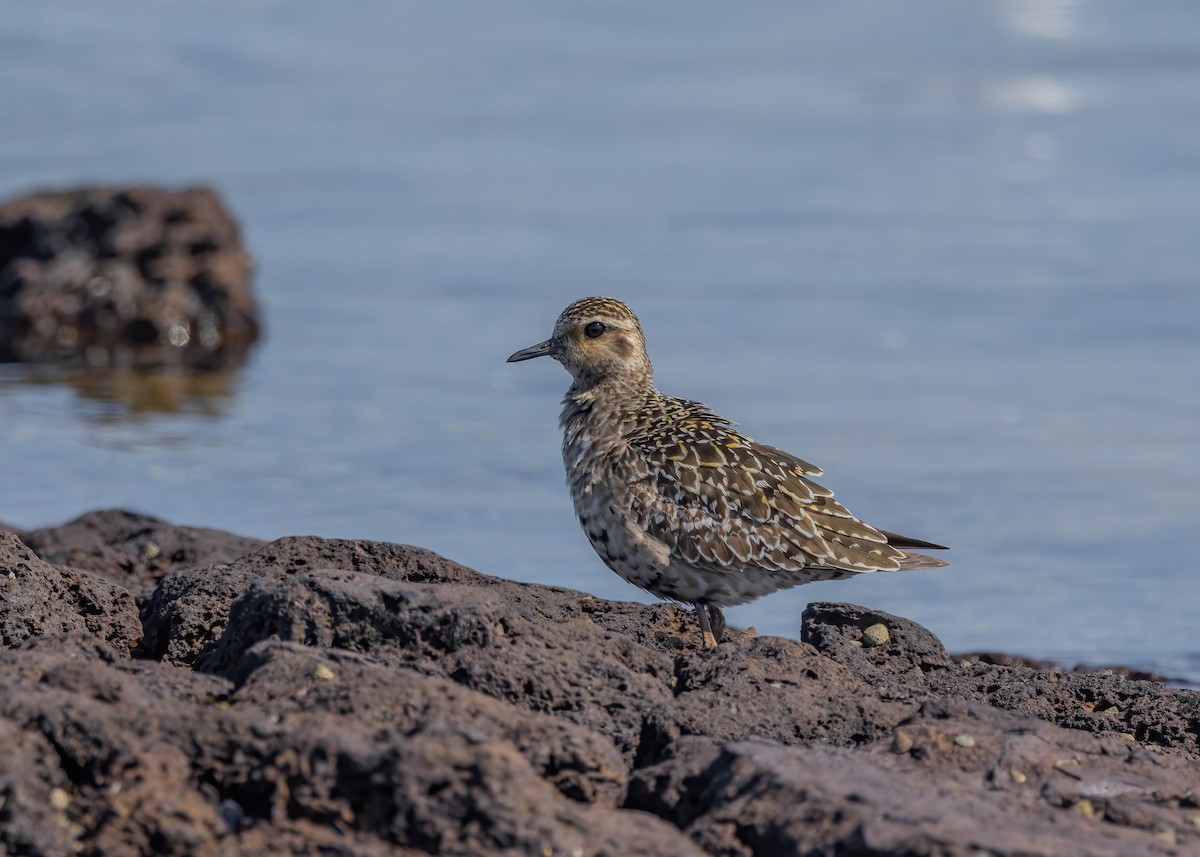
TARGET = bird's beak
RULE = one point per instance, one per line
(539, 350)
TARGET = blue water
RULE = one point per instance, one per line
(948, 251)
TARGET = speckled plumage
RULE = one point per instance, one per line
(679, 503)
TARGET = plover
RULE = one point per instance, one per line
(678, 502)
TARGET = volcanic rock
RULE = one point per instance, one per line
(118, 277)
(316, 696)
(38, 599)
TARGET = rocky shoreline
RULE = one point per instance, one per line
(170, 689)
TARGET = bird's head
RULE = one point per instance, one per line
(597, 340)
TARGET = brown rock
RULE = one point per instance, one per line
(101, 276)
(1103, 703)
(347, 697)
(770, 687)
(187, 613)
(1008, 660)
(835, 629)
(134, 550)
(1152, 712)
(484, 637)
(304, 685)
(38, 599)
(762, 798)
(206, 770)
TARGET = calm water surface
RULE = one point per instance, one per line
(947, 251)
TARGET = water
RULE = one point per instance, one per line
(947, 251)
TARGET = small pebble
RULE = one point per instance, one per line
(232, 814)
(1196, 820)
(1085, 808)
(59, 799)
(901, 743)
(1017, 776)
(874, 635)
(964, 740)
(322, 672)
(1128, 736)
(151, 551)
(1167, 836)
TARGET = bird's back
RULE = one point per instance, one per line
(723, 502)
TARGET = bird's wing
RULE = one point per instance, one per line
(721, 501)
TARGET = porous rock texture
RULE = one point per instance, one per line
(124, 277)
(318, 696)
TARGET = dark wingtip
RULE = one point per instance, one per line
(899, 541)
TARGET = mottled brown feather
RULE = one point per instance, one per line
(675, 499)
(696, 457)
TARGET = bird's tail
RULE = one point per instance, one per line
(912, 561)
(915, 560)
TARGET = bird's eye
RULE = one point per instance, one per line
(595, 329)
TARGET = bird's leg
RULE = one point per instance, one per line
(710, 640)
(717, 619)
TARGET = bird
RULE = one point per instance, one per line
(678, 502)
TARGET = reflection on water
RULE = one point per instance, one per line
(1056, 20)
(1032, 94)
(130, 395)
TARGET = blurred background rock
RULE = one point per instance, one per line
(124, 277)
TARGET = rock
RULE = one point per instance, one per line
(481, 636)
(761, 798)
(134, 550)
(140, 276)
(913, 665)
(1104, 704)
(1040, 664)
(769, 687)
(30, 771)
(347, 697)
(187, 612)
(38, 599)
(303, 685)
(427, 766)
(902, 645)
